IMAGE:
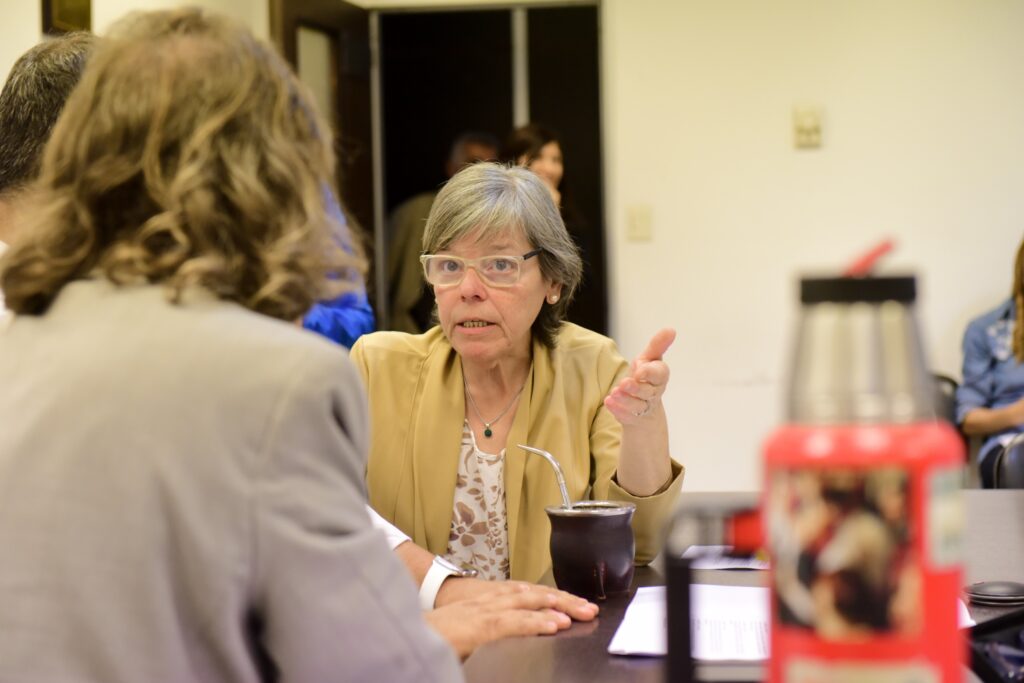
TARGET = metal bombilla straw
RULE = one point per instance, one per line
(558, 473)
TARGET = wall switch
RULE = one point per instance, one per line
(638, 223)
(806, 127)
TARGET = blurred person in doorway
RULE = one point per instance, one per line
(540, 149)
(410, 302)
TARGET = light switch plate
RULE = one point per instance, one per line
(638, 223)
(806, 127)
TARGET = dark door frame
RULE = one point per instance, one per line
(349, 29)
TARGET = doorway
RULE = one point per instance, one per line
(402, 85)
(445, 73)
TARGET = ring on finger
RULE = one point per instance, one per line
(646, 411)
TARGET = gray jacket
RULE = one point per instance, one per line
(182, 499)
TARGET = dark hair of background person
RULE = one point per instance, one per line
(188, 155)
(525, 143)
(33, 97)
(457, 156)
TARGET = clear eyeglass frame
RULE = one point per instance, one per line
(497, 270)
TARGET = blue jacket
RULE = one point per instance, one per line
(992, 377)
(345, 319)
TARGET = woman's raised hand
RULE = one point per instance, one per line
(638, 395)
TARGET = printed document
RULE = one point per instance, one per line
(727, 623)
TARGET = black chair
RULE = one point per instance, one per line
(945, 397)
(1009, 465)
(945, 409)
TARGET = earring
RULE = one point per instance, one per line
(553, 299)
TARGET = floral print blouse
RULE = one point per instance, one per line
(479, 531)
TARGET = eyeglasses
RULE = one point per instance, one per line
(498, 271)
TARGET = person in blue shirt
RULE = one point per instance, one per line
(345, 319)
(990, 401)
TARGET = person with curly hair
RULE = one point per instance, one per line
(181, 465)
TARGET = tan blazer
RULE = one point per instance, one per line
(417, 407)
(181, 499)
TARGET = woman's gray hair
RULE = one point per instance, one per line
(488, 200)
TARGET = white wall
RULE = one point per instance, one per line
(21, 27)
(253, 13)
(21, 20)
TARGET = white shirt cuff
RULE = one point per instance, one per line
(394, 535)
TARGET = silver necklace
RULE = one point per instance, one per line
(487, 425)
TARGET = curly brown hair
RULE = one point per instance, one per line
(188, 155)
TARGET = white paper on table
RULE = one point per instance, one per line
(714, 557)
(727, 623)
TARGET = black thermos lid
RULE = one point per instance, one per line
(820, 290)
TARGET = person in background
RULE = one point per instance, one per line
(540, 149)
(31, 100)
(990, 400)
(182, 466)
(501, 369)
(410, 302)
(349, 316)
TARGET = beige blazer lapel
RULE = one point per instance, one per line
(515, 461)
(437, 436)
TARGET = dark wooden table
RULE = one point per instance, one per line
(993, 550)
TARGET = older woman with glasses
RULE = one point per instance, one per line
(501, 368)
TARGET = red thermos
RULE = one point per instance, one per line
(862, 506)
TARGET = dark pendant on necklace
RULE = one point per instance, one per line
(488, 432)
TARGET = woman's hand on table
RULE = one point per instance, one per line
(502, 609)
(455, 590)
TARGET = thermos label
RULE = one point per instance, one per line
(801, 670)
(946, 518)
(842, 542)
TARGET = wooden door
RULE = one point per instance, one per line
(340, 30)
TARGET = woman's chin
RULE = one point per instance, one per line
(478, 347)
